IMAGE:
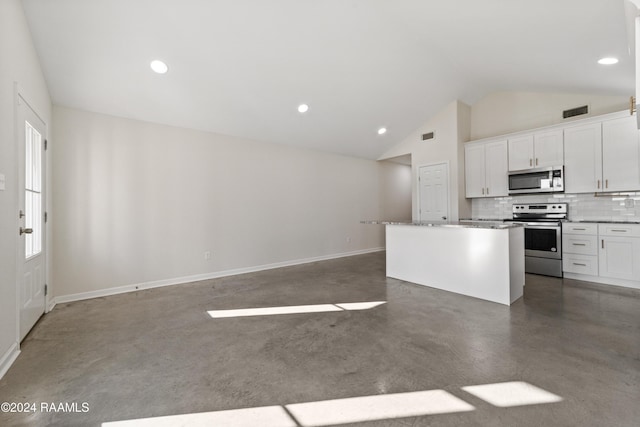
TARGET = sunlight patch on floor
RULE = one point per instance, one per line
(294, 309)
(355, 409)
(514, 393)
(266, 416)
(379, 407)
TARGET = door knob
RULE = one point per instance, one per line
(25, 231)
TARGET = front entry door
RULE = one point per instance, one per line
(31, 194)
(434, 192)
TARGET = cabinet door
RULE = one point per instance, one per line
(547, 149)
(583, 159)
(617, 256)
(521, 152)
(496, 166)
(474, 170)
(620, 155)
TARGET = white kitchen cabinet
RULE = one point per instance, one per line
(580, 245)
(486, 169)
(602, 157)
(474, 170)
(604, 253)
(580, 229)
(583, 158)
(537, 150)
(617, 255)
(619, 251)
(521, 152)
(580, 248)
(548, 148)
(620, 155)
(580, 264)
(496, 166)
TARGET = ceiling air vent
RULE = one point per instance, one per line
(427, 136)
(579, 111)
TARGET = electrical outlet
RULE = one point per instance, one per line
(207, 255)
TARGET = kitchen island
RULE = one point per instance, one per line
(482, 260)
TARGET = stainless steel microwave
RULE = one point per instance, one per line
(541, 180)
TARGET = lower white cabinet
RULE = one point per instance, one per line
(605, 253)
(580, 264)
(619, 256)
(580, 249)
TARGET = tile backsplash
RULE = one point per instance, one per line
(624, 207)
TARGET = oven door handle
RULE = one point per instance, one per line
(542, 225)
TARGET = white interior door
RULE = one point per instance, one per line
(434, 192)
(31, 190)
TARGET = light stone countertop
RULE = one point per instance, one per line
(601, 221)
(449, 224)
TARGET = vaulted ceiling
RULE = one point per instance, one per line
(242, 67)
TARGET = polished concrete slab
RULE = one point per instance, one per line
(158, 352)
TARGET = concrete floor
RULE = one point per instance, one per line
(157, 352)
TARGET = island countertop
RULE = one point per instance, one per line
(450, 224)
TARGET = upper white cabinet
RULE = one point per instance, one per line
(620, 154)
(548, 148)
(536, 150)
(601, 157)
(486, 169)
(583, 158)
(521, 152)
(599, 154)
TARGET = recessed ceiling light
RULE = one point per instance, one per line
(608, 61)
(303, 108)
(382, 131)
(159, 67)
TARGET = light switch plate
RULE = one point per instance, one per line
(2, 182)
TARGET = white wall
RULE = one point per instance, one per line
(505, 112)
(451, 131)
(18, 63)
(395, 191)
(137, 202)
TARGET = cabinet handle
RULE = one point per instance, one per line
(530, 162)
(579, 229)
(618, 231)
(602, 243)
(579, 244)
(483, 191)
(536, 161)
(606, 183)
(577, 263)
(487, 190)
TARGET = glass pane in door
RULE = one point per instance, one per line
(33, 190)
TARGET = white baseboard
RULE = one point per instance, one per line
(603, 280)
(51, 303)
(8, 358)
(198, 277)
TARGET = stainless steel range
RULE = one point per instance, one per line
(542, 236)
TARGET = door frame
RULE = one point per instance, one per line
(419, 192)
(21, 97)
